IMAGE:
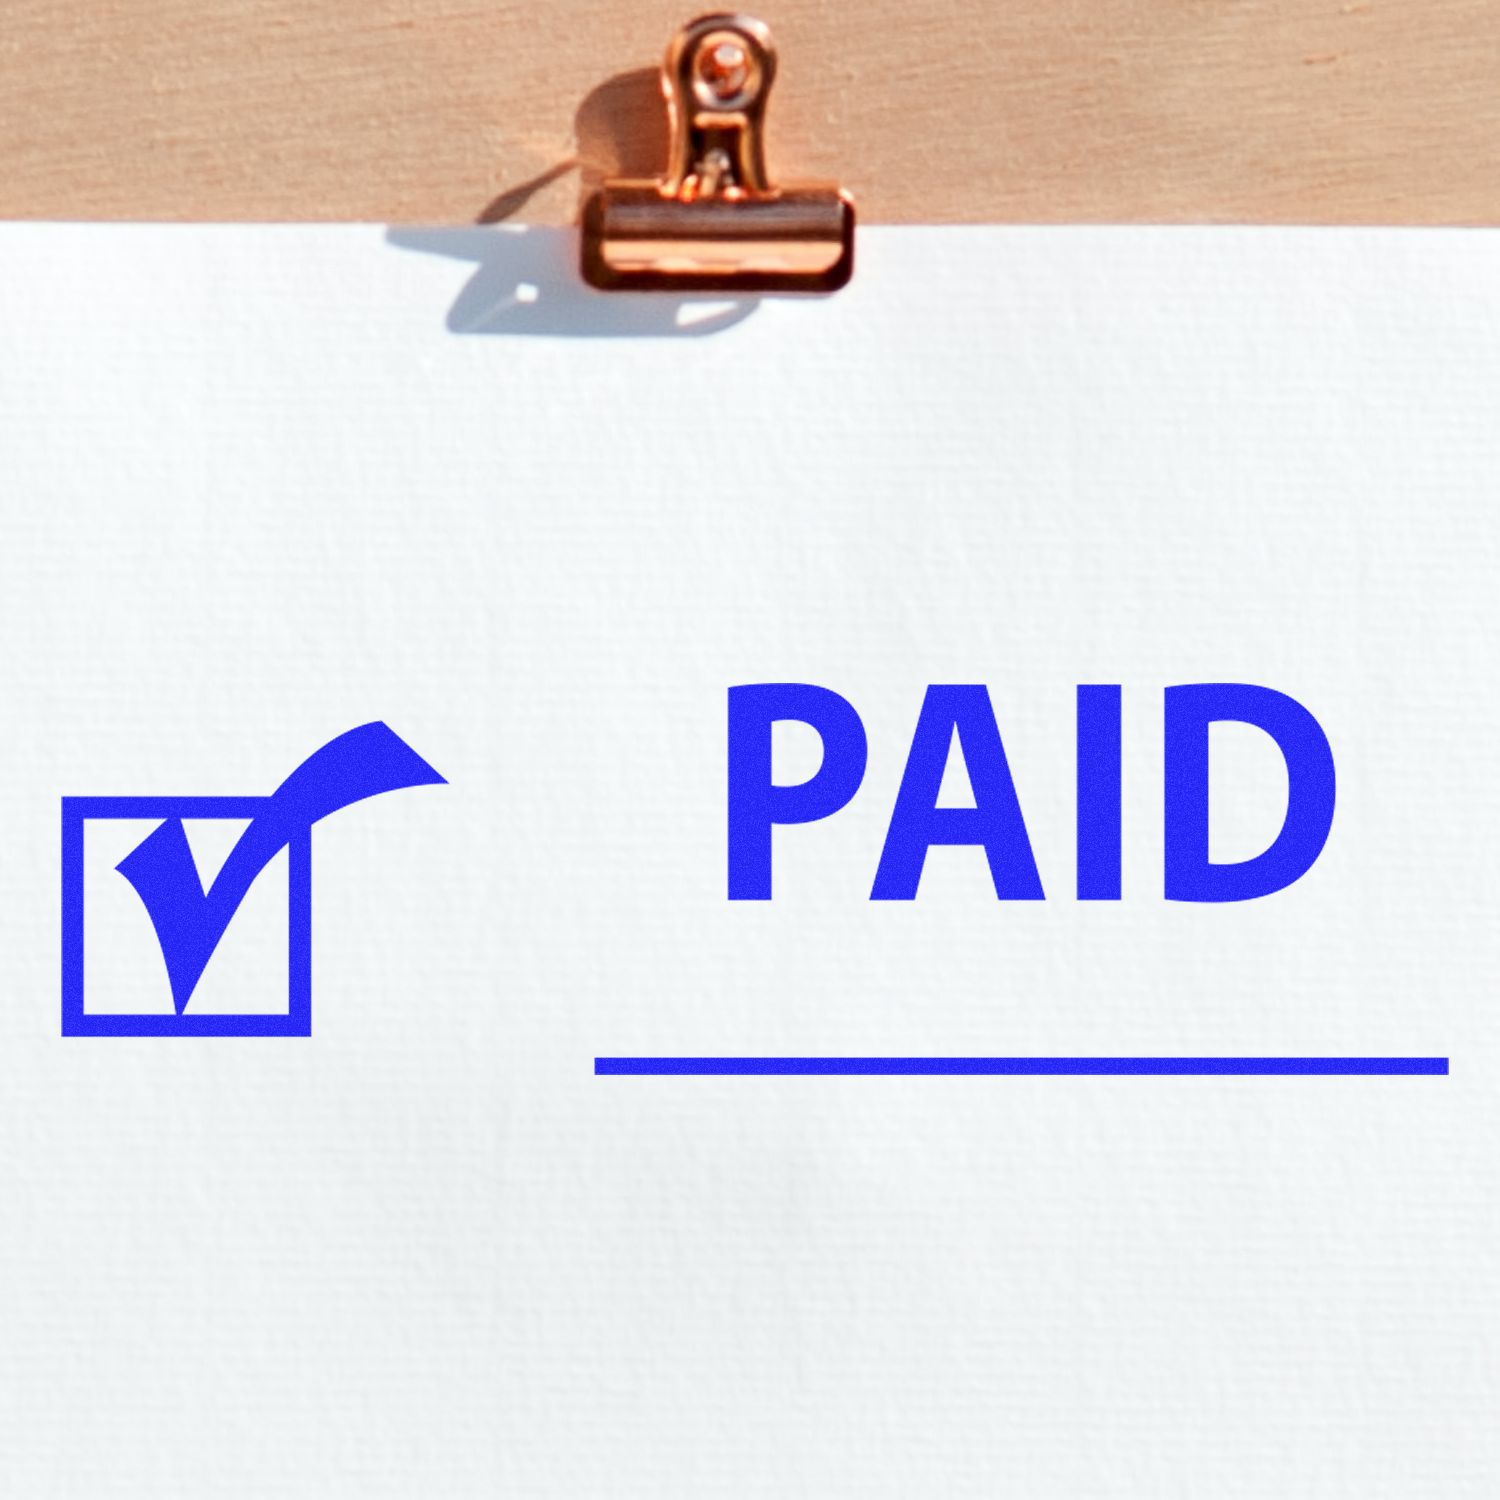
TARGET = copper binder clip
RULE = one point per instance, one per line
(715, 222)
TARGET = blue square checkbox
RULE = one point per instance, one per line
(295, 1020)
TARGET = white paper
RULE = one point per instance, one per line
(260, 486)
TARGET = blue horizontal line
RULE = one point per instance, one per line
(1027, 1066)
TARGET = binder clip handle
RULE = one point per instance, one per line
(717, 79)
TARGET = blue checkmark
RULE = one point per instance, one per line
(189, 921)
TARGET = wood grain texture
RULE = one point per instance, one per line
(1351, 111)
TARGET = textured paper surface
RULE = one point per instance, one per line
(261, 485)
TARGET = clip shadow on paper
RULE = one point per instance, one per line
(525, 281)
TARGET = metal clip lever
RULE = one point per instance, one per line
(715, 222)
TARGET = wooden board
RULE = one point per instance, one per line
(1353, 111)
